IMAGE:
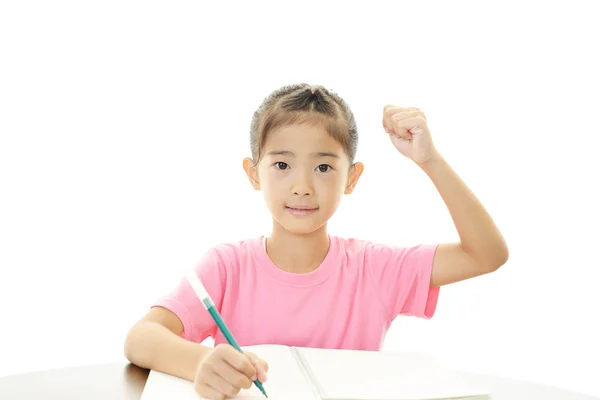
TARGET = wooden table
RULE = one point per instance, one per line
(122, 381)
(119, 381)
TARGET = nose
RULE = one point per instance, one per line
(302, 185)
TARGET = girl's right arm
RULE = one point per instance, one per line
(154, 343)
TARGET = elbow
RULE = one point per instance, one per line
(488, 260)
(133, 347)
(498, 258)
(129, 346)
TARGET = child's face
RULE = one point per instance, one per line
(303, 174)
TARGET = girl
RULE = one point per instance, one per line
(301, 286)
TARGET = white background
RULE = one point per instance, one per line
(123, 127)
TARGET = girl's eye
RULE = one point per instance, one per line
(281, 165)
(324, 168)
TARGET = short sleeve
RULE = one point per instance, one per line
(183, 302)
(402, 277)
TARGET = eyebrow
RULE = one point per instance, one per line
(318, 154)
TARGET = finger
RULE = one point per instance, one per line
(257, 360)
(402, 134)
(240, 362)
(399, 128)
(410, 126)
(261, 374)
(388, 124)
(406, 114)
(232, 375)
(261, 366)
(221, 385)
(390, 111)
(390, 108)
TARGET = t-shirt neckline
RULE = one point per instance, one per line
(322, 272)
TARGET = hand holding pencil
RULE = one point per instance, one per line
(225, 370)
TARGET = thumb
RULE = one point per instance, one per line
(262, 367)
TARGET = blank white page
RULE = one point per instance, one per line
(362, 375)
(285, 380)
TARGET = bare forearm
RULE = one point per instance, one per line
(153, 346)
(478, 233)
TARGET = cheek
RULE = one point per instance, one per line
(271, 182)
(332, 186)
(273, 188)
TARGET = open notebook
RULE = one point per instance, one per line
(318, 374)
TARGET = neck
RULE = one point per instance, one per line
(297, 253)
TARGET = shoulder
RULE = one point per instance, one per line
(374, 252)
(236, 249)
(351, 246)
(354, 251)
(354, 246)
(227, 255)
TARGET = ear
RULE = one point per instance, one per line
(354, 174)
(251, 172)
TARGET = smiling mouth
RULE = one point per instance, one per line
(301, 210)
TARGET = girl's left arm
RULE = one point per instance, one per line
(481, 249)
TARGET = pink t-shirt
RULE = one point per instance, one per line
(348, 302)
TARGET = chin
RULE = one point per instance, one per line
(300, 227)
(302, 231)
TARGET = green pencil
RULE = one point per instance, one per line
(210, 307)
